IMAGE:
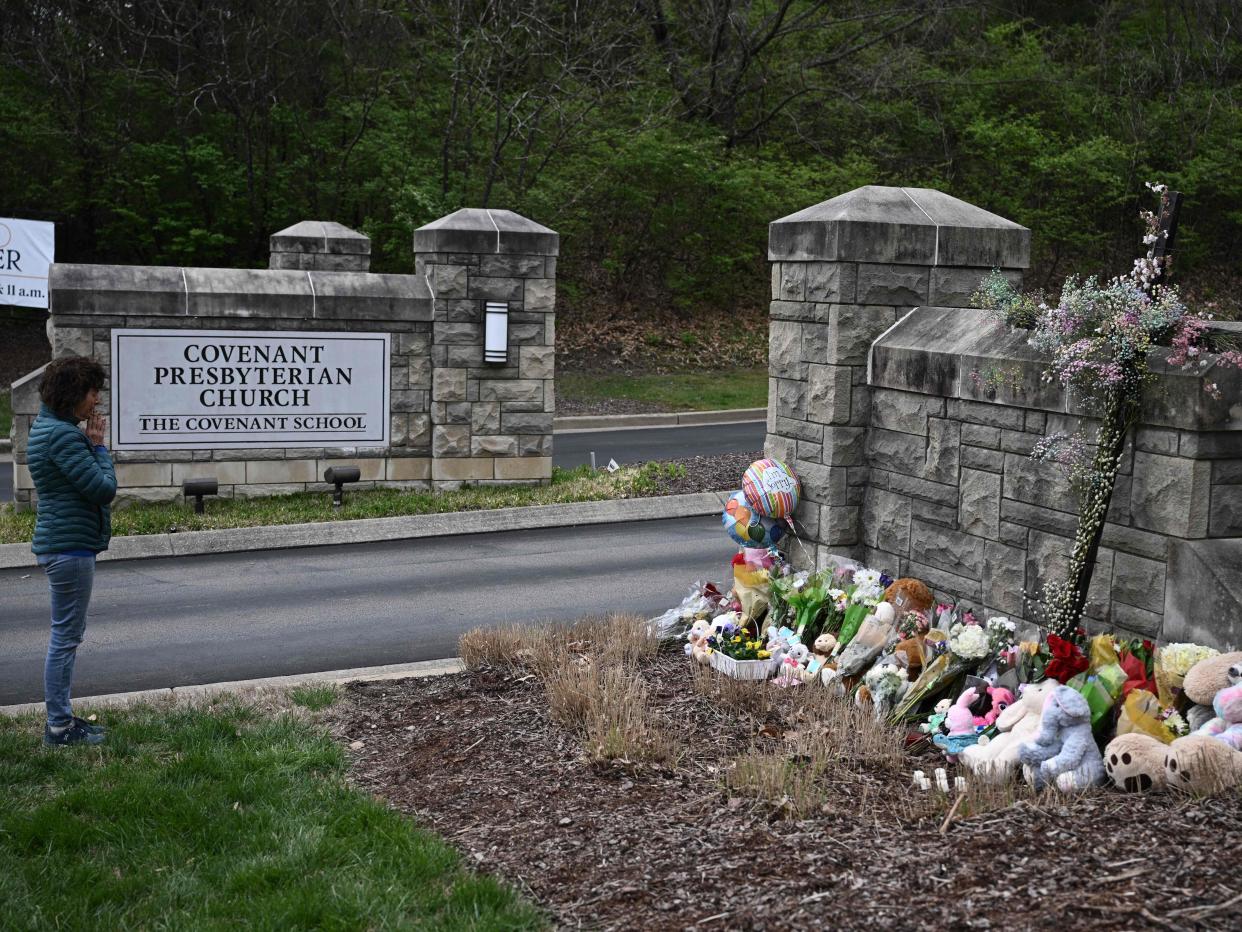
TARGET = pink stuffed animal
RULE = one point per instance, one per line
(1002, 699)
(959, 723)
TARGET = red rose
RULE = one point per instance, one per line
(1067, 659)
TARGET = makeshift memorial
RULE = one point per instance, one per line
(1067, 660)
(771, 488)
(1173, 663)
(1207, 678)
(746, 526)
(994, 759)
(909, 595)
(862, 596)
(696, 640)
(1001, 699)
(806, 594)
(873, 636)
(884, 685)
(1135, 763)
(1137, 657)
(1202, 765)
(734, 653)
(752, 583)
(1141, 714)
(1063, 752)
(1227, 725)
(960, 731)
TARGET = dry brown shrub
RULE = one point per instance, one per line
(842, 736)
(751, 696)
(588, 672)
(621, 725)
(506, 645)
(795, 785)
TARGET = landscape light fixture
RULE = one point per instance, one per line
(496, 333)
(338, 476)
(198, 488)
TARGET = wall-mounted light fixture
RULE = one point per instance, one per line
(496, 333)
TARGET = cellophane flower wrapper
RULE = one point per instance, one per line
(1173, 662)
(807, 601)
(937, 676)
(1098, 698)
(854, 616)
(1140, 714)
(751, 587)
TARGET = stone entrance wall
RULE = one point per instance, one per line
(453, 418)
(910, 419)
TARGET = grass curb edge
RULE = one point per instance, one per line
(181, 694)
(403, 527)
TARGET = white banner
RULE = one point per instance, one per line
(27, 248)
(239, 389)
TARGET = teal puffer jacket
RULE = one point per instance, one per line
(75, 483)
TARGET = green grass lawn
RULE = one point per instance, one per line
(682, 391)
(226, 817)
(6, 415)
(572, 485)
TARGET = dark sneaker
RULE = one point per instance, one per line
(87, 726)
(74, 734)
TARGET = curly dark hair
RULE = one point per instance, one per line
(67, 381)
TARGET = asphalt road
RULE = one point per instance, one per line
(637, 445)
(642, 444)
(175, 622)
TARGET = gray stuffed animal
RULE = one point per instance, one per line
(1063, 751)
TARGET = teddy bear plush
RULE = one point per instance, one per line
(1207, 678)
(1227, 725)
(1135, 762)
(696, 640)
(909, 595)
(994, 759)
(1202, 765)
(1063, 751)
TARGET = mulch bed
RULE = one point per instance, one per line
(476, 757)
(720, 473)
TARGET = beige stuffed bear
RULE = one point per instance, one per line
(993, 760)
(1135, 762)
(1202, 765)
(1205, 679)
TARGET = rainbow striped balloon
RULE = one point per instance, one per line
(771, 488)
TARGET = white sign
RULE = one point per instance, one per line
(238, 389)
(27, 248)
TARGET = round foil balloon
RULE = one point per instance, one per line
(771, 488)
(746, 526)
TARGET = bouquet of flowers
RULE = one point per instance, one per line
(969, 642)
(1138, 658)
(1033, 660)
(865, 592)
(1173, 662)
(806, 594)
(1067, 661)
(732, 641)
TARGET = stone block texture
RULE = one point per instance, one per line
(494, 421)
(884, 372)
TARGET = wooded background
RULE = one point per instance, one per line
(658, 137)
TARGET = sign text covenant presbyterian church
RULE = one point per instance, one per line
(221, 389)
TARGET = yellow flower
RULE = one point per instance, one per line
(738, 639)
(764, 654)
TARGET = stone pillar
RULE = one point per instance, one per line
(491, 423)
(843, 272)
(320, 246)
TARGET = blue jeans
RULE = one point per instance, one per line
(70, 580)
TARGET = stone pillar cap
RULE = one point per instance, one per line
(905, 226)
(482, 230)
(321, 236)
